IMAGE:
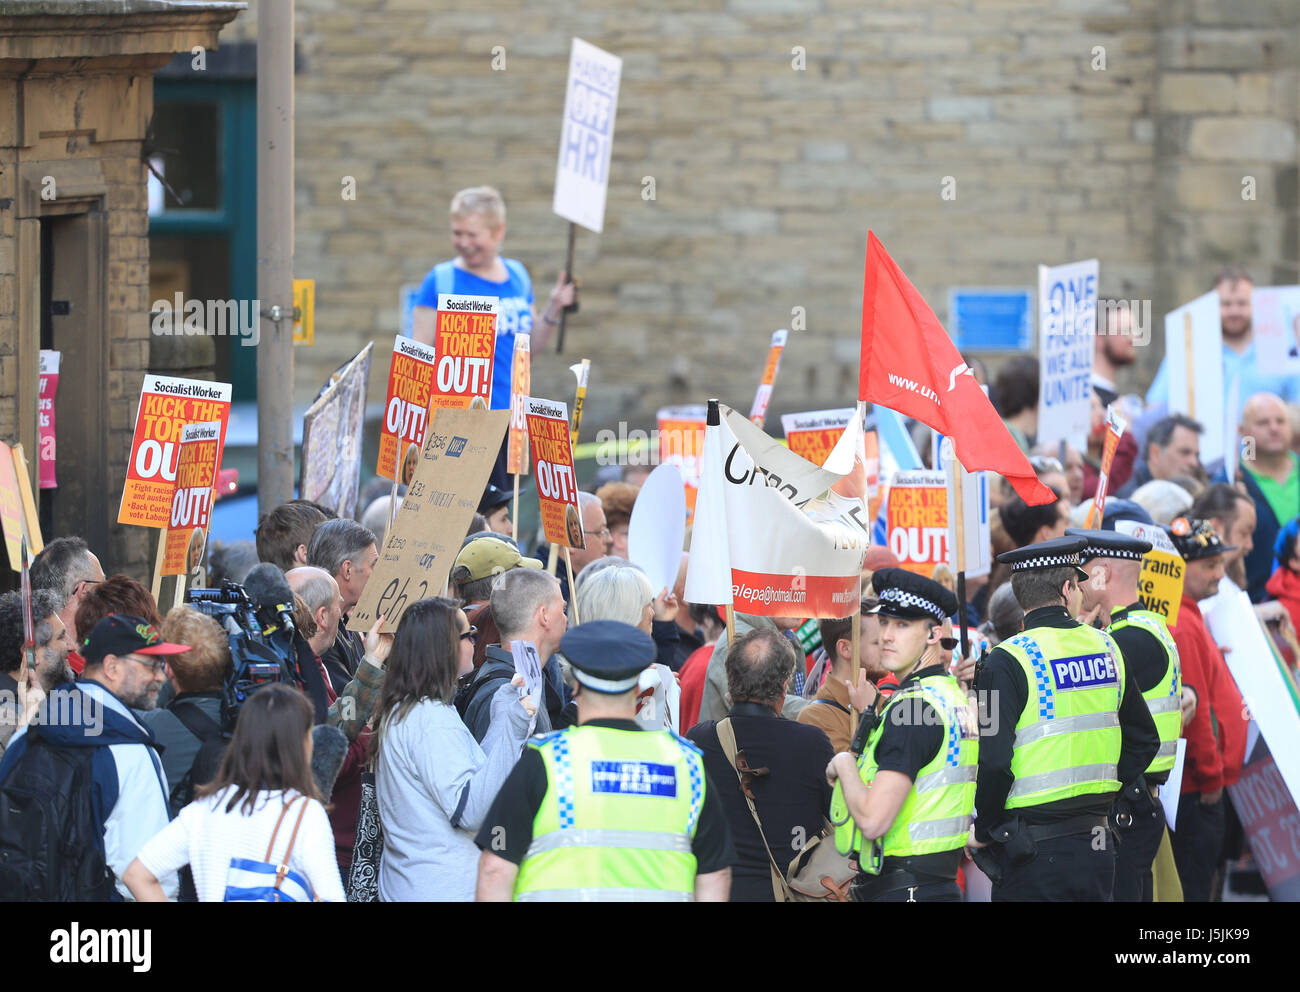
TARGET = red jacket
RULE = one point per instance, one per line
(1284, 586)
(1216, 737)
(691, 681)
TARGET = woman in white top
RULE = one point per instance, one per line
(433, 782)
(265, 782)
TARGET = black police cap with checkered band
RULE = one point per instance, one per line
(1109, 544)
(909, 596)
(1059, 552)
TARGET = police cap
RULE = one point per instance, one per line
(1109, 544)
(909, 596)
(1059, 552)
(606, 655)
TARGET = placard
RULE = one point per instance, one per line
(1160, 583)
(47, 443)
(1275, 319)
(465, 340)
(521, 377)
(557, 484)
(1194, 361)
(529, 667)
(1271, 821)
(331, 438)
(656, 531)
(191, 512)
(813, 435)
(758, 412)
(587, 135)
(1067, 314)
(167, 405)
(460, 450)
(916, 516)
(978, 543)
(681, 443)
(406, 407)
(11, 508)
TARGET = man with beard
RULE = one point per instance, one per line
(52, 647)
(1113, 348)
(125, 660)
(1240, 362)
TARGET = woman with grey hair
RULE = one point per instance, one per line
(1163, 499)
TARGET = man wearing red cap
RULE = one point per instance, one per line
(125, 790)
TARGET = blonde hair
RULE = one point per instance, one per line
(615, 594)
(203, 667)
(485, 201)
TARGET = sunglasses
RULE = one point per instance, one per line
(469, 635)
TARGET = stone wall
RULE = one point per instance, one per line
(1096, 127)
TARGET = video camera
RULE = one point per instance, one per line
(256, 660)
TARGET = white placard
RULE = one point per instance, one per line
(975, 516)
(1256, 669)
(587, 135)
(657, 530)
(1193, 336)
(1170, 791)
(1275, 319)
(1067, 313)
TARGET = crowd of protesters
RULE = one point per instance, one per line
(431, 718)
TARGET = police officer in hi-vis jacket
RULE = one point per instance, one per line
(606, 811)
(1067, 725)
(904, 807)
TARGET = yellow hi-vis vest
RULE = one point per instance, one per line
(1067, 738)
(936, 815)
(1164, 699)
(618, 818)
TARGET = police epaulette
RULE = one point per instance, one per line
(537, 740)
(687, 743)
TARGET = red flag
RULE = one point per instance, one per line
(913, 367)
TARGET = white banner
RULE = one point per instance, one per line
(1067, 312)
(977, 542)
(587, 135)
(752, 546)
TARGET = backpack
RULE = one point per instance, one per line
(51, 848)
(212, 748)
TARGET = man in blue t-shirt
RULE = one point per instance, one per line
(478, 227)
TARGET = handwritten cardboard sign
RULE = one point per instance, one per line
(460, 449)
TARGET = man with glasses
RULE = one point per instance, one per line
(68, 568)
(596, 531)
(125, 657)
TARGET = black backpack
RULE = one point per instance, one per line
(50, 846)
(212, 748)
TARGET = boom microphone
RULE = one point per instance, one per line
(270, 593)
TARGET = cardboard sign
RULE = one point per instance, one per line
(460, 449)
(191, 514)
(557, 485)
(681, 443)
(521, 378)
(812, 436)
(1275, 318)
(758, 412)
(406, 407)
(46, 448)
(22, 472)
(1160, 583)
(11, 508)
(167, 405)
(587, 135)
(1194, 357)
(331, 438)
(1067, 314)
(1268, 814)
(916, 520)
(464, 339)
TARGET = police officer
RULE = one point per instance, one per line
(1113, 562)
(1066, 727)
(605, 811)
(904, 807)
